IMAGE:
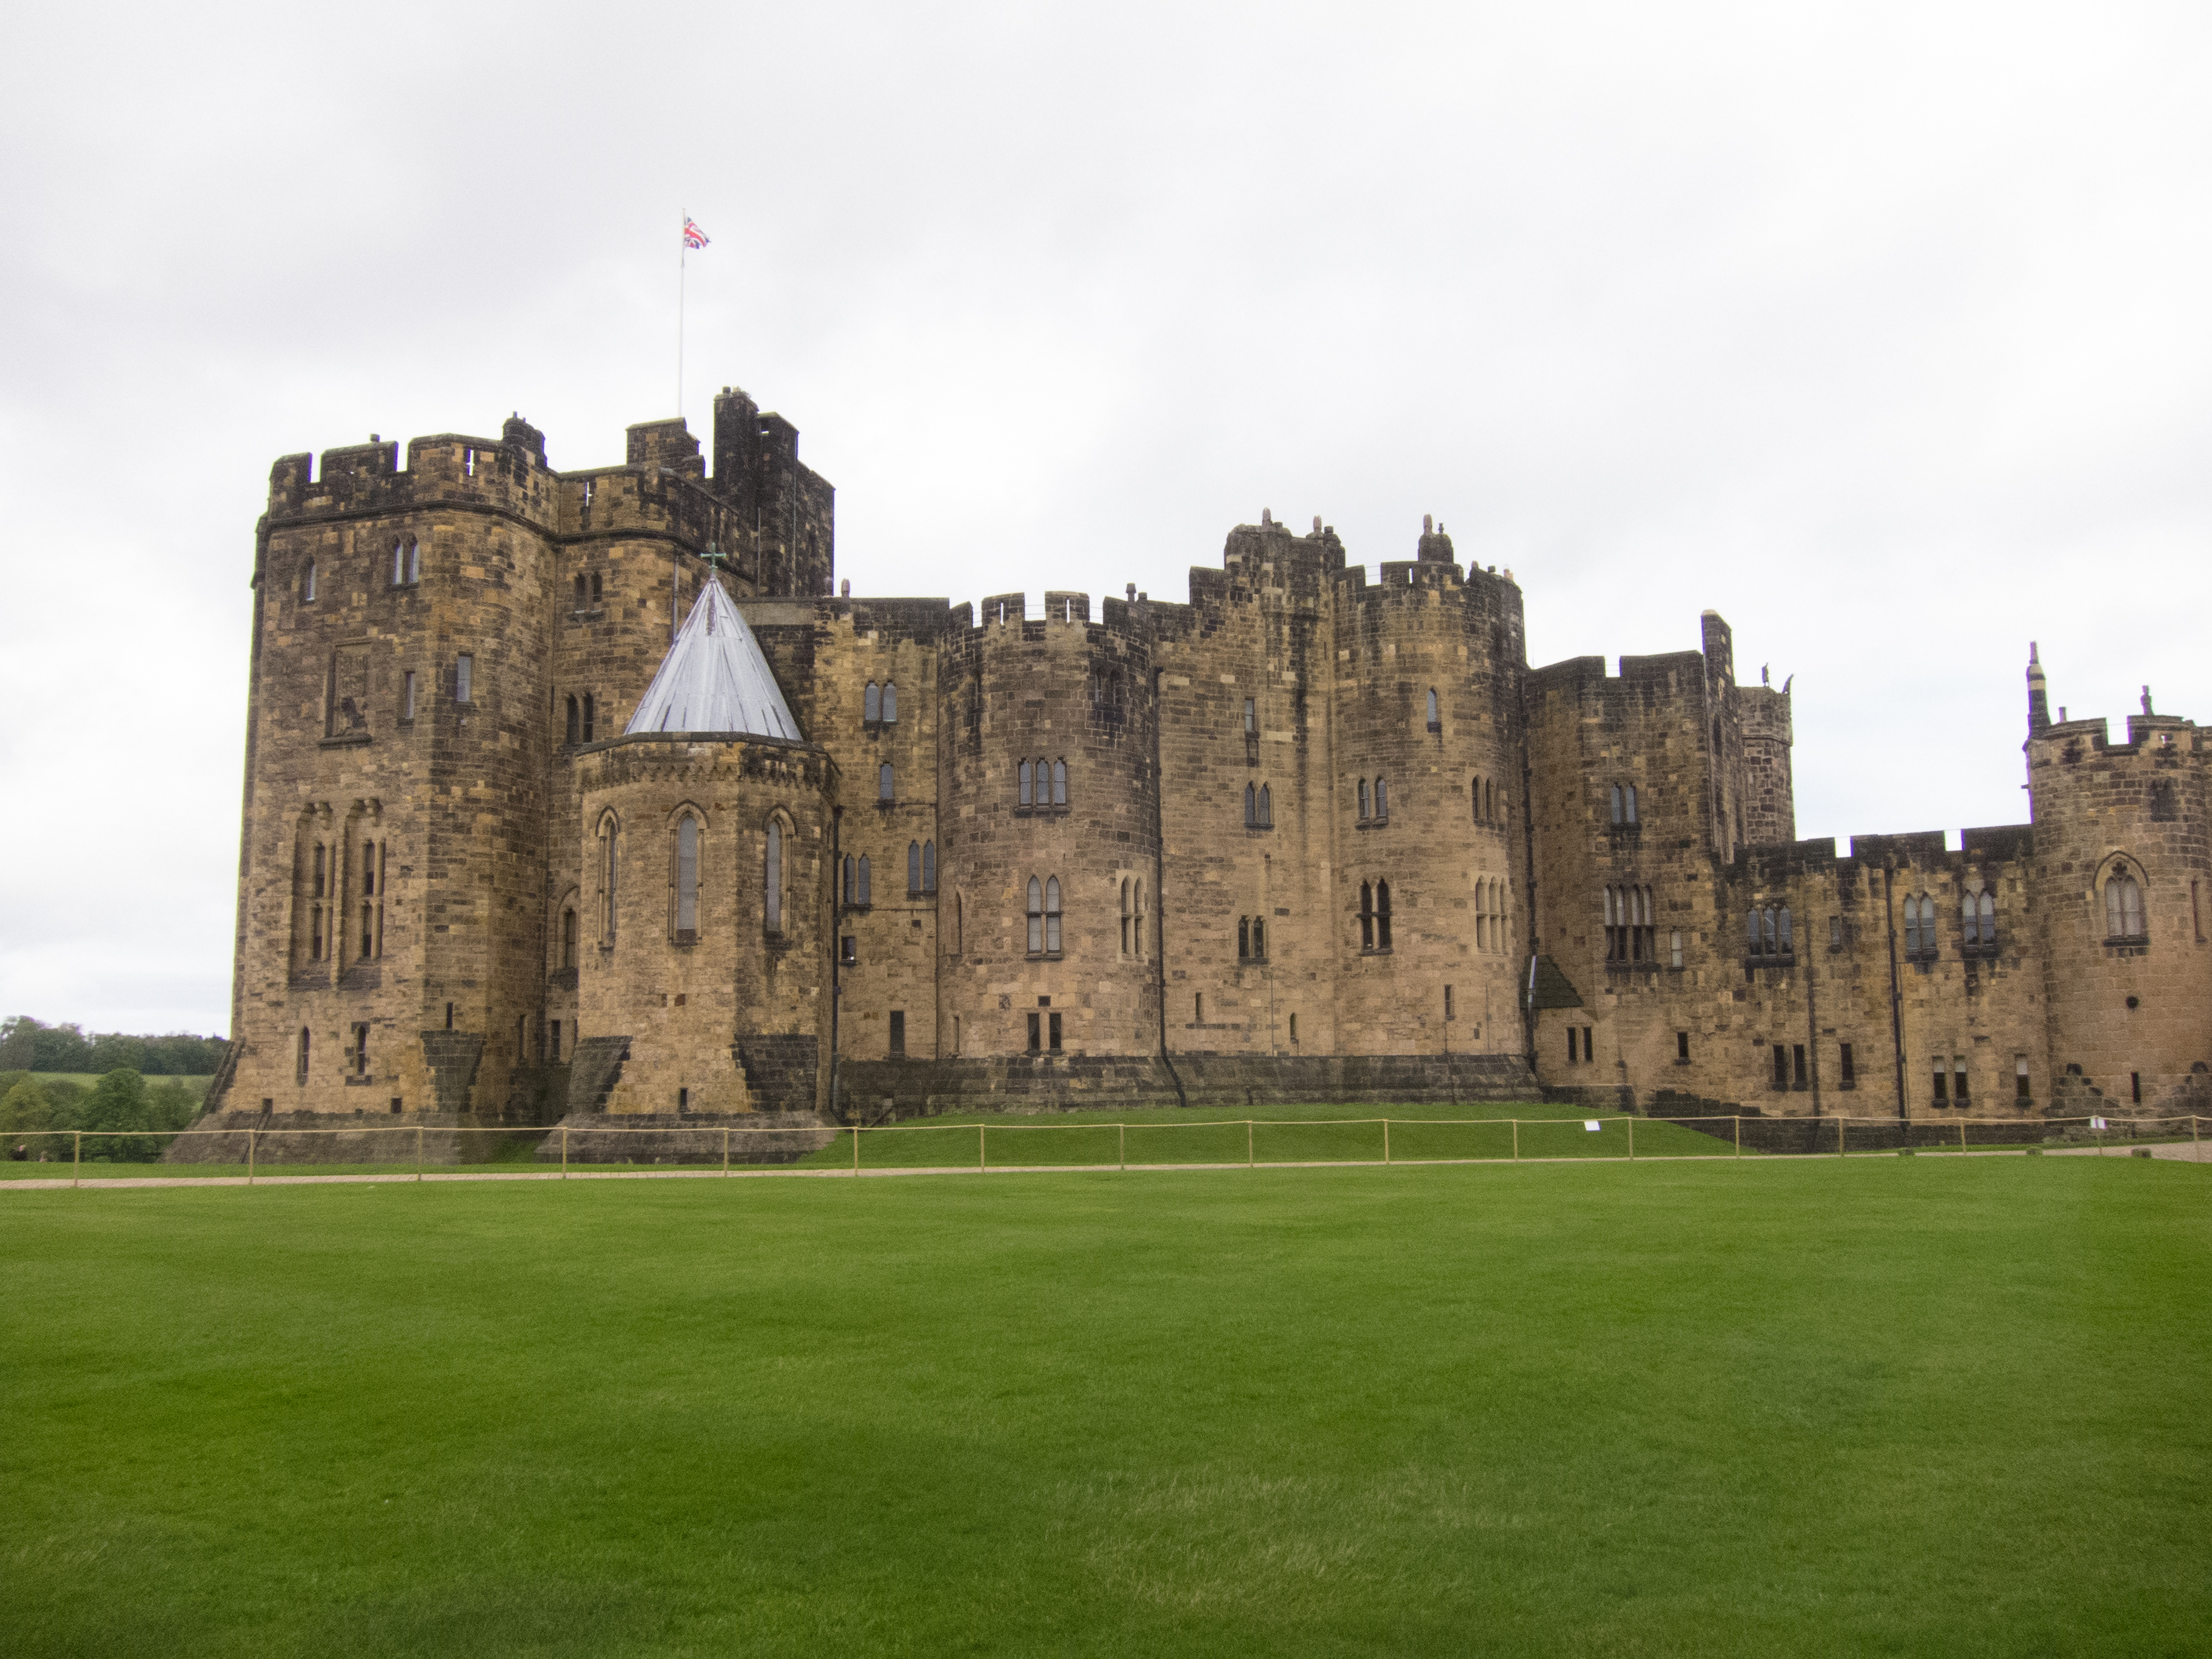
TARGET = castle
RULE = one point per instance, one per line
(582, 794)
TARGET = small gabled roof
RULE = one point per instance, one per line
(1548, 987)
(714, 678)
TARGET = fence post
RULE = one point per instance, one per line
(983, 1153)
(1739, 1136)
(1386, 1140)
(2196, 1151)
(856, 1152)
(1121, 1143)
(1962, 1134)
(564, 1152)
(77, 1152)
(1247, 1142)
(1516, 1139)
(1632, 1140)
(726, 1149)
(418, 1151)
(249, 1157)
(1839, 1134)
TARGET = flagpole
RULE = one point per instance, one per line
(683, 249)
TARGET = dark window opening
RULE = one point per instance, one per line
(1682, 1045)
(595, 589)
(1942, 1080)
(883, 789)
(1797, 1062)
(2134, 1087)
(1251, 719)
(1848, 1071)
(1382, 916)
(898, 1031)
(1958, 1080)
(1781, 1066)
(575, 716)
(1435, 721)
(2020, 1084)
(590, 717)
(1036, 1032)
(848, 951)
(1052, 1032)
(1448, 1003)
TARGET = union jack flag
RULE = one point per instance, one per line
(693, 236)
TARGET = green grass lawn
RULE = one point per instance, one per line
(1789, 1406)
(196, 1086)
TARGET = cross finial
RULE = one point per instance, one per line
(713, 557)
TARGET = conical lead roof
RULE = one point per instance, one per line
(714, 678)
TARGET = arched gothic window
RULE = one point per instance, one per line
(913, 867)
(1125, 916)
(1382, 916)
(1628, 796)
(2123, 905)
(575, 717)
(1266, 808)
(1616, 805)
(1978, 920)
(1059, 783)
(687, 880)
(891, 703)
(305, 1040)
(414, 561)
(1028, 783)
(1037, 916)
(1362, 800)
(929, 866)
(1382, 799)
(871, 703)
(591, 717)
(580, 593)
(864, 898)
(1436, 720)
(1788, 946)
(1251, 806)
(399, 561)
(772, 880)
(1366, 917)
(1052, 915)
(1137, 922)
(568, 937)
(597, 590)
(307, 583)
(1243, 939)
(884, 790)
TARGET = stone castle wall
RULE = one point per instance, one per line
(1223, 791)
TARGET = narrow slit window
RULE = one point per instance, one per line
(686, 878)
(1266, 808)
(1382, 799)
(2020, 1084)
(871, 703)
(1251, 719)
(929, 866)
(1037, 916)
(1125, 916)
(464, 673)
(865, 883)
(1849, 1069)
(772, 880)
(1382, 916)
(913, 867)
(407, 696)
(1052, 915)
(1362, 799)
(591, 717)
(414, 561)
(576, 721)
(884, 790)
(1958, 1080)
(1059, 783)
(1366, 916)
(1436, 718)
(1028, 786)
(1251, 806)
(308, 584)
(597, 592)
(891, 703)
(568, 937)
(580, 593)
(305, 1040)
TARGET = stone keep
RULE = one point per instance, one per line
(1305, 836)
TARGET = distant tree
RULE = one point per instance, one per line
(115, 1051)
(25, 1107)
(170, 1105)
(60, 1048)
(118, 1104)
(18, 1043)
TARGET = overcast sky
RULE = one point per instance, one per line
(1882, 330)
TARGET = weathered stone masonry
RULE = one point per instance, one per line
(1302, 837)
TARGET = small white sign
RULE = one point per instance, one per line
(2098, 1123)
(1592, 1125)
